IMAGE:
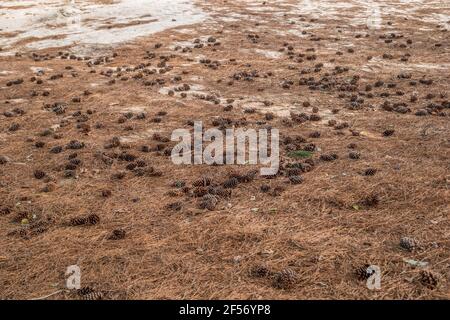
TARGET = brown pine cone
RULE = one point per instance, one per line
(408, 243)
(84, 291)
(328, 157)
(117, 234)
(260, 271)
(175, 206)
(200, 192)
(362, 273)
(93, 219)
(202, 182)
(209, 202)
(296, 179)
(93, 296)
(370, 172)
(429, 279)
(231, 183)
(39, 174)
(79, 221)
(285, 279)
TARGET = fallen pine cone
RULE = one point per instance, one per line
(260, 271)
(78, 221)
(87, 293)
(93, 296)
(209, 202)
(284, 279)
(295, 179)
(175, 206)
(84, 291)
(117, 234)
(231, 183)
(202, 182)
(328, 157)
(363, 273)
(93, 219)
(408, 243)
(429, 279)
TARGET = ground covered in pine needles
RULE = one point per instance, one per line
(86, 177)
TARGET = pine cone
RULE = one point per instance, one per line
(231, 183)
(175, 206)
(202, 182)
(294, 171)
(39, 230)
(4, 160)
(328, 157)
(277, 191)
(113, 143)
(93, 296)
(248, 177)
(131, 166)
(354, 155)
(310, 147)
(70, 166)
(370, 172)
(39, 174)
(260, 271)
(93, 219)
(21, 232)
(209, 202)
(106, 193)
(371, 200)
(74, 144)
(200, 192)
(141, 163)
(70, 174)
(178, 184)
(296, 179)
(117, 234)
(408, 243)
(220, 192)
(78, 221)
(362, 273)
(118, 175)
(285, 279)
(84, 291)
(172, 193)
(127, 157)
(429, 279)
(154, 173)
(4, 211)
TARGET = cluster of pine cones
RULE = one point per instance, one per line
(91, 219)
(284, 279)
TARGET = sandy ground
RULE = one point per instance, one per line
(361, 87)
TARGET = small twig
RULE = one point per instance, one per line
(48, 296)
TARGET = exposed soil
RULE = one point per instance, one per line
(361, 102)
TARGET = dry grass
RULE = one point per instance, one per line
(322, 229)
